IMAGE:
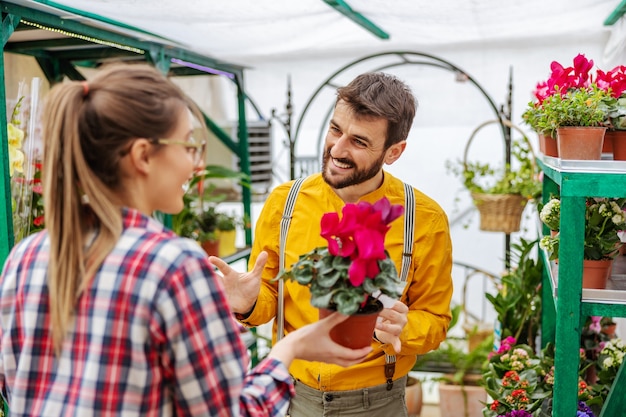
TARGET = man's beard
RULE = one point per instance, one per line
(358, 176)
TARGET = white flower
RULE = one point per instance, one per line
(608, 362)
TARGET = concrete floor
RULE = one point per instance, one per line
(430, 410)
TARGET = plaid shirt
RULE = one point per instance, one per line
(152, 335)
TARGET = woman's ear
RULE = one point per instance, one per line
(140, 154)
(394, 152)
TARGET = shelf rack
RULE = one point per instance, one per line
(563, 318)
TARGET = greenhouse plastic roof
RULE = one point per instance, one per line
(242, 30)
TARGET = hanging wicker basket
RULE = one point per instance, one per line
(499, 212)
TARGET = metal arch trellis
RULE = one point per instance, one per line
(405, 59)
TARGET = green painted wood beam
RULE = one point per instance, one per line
(345, 9)
(222, 136)
(9, 23)
(616, 14)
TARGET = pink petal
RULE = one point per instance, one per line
(356, 272)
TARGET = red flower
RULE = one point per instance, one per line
(494, 405)
(563, 78)
(38, 221)
(360, 235)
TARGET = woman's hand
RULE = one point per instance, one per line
(313, 343)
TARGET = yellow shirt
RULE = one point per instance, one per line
(427, 294)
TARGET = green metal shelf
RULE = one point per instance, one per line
(562, 319)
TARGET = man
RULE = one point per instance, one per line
(369, 127)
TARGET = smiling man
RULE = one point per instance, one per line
(368, 129)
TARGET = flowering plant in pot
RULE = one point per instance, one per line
(604, 217)
(608, 363)
(353, 271)
(574, 97)
(615, 136)
(520, 383)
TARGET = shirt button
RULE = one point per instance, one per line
(328, 397)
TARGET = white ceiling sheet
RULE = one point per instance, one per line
(243, 30)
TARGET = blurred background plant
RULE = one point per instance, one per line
(518, 300)
(199, 218)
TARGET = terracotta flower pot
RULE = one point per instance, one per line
(413, 396)
(462, 401)
(211, 247)
(609, 329)
(607, 145)
(596, 273)
(547, 145)
(356, 331)
(619, 144)
(580, 143)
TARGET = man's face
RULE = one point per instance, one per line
(354, 151)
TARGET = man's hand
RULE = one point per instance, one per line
(242, 288)
(390, 323)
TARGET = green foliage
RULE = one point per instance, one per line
(453, 356)
(202, 198)
(206, 225)
(327, 278)
(604, 217)
(518, 379)
(588, 107)
(521, 179)
(617, 115)
(463, 361)
(518, 300)
(226, 222)
(535, 117)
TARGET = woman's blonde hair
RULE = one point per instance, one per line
(88, 127)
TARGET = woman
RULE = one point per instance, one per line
(106, 312)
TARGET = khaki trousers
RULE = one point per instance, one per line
(371, 402)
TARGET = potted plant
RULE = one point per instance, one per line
(604, 217)
(206, 230)
(459, 387)
(501, 193)
(615, 135)
(353, 272)
(200, 197)
(227, 232)
(576, 107)
(535, 117)
(518, 300)
(608, 364)
(520, 383)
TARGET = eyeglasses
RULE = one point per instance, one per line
(195, 149)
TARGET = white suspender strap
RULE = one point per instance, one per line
(284, 228)
(409, 226)
(409, 223)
